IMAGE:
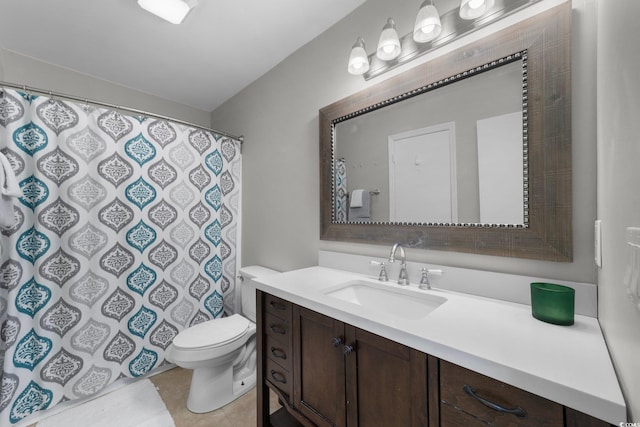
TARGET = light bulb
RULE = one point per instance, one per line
(428, 28)
(473, 9)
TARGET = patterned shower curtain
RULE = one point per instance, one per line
(125, 235)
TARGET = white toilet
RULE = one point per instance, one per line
(221, 352)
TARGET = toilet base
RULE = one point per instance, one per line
(242, 386)
(212, 387)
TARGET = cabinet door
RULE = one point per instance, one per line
(319, 387)
(386, 382)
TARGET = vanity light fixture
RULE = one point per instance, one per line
(431, 31)
(428, 25)
(389, 43)
(473, 9)
(173, 11)
(358, 60)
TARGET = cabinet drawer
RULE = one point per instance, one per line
(277, 327)
(278, 351)
(469, 398)
(279, 377)
(277, 306)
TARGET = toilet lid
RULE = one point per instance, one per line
(212, 333)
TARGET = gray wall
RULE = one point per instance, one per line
(278, 115)
(619, 184)
(23, 70)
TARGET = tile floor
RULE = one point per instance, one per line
(173, 386)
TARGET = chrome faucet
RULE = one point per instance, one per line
(402, 278)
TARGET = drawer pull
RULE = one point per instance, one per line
(279, 353)
(277, 329)
(278, 376)
(517, 411)
(347, 350)
(277, 305)
(336, 341)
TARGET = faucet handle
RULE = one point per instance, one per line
(383, 277)
(424, 280)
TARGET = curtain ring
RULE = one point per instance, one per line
(27, 93)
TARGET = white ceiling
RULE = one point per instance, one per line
(220, 48)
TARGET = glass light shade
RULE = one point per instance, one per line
(173, 11)
(389, 43)
(472, 9)
(358, 59)
(428, 25)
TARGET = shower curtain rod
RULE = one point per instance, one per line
(28, 89)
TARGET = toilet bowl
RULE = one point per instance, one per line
(221, 352)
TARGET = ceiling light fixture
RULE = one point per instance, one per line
(358, 60)
(389, 44)
(427, 26)
(173, 11)
(472, 9)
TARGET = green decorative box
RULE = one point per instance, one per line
(553, 303)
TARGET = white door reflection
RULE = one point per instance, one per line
(422, 175)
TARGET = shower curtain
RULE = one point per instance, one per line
(125, 234)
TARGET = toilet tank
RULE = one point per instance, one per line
(248, 288)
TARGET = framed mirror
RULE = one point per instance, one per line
(469, 152)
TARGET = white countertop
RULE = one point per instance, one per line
(567, 364)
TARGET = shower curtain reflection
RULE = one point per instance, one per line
(125, 234)
(340, 191)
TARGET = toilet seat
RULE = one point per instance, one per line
(212, 333)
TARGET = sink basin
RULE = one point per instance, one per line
(397, 302)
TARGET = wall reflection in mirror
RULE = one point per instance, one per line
(455, 153)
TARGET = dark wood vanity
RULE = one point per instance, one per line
(329, 373)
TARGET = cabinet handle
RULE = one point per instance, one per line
(347, 350)
(517, 411)
(279, 353)
(278, 376)
(277, 305)
(277, 329)
(336, 341)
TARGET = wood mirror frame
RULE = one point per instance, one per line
(545, 39)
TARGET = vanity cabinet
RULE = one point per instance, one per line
(345, 376)
(331, 374)
(334, 374)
